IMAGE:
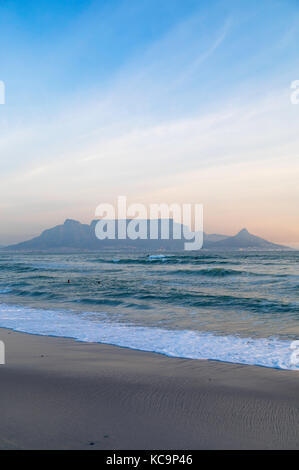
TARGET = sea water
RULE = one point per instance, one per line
(240, 307)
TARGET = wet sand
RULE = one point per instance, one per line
(61, 394)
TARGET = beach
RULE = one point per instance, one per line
(57, 393)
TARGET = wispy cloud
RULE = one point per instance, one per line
(203, 56)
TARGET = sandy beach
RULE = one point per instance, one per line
(60, 394)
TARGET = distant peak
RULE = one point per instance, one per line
(243, 231)
(70, 221)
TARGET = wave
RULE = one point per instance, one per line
(213, 272)
(222, 272)
(37, 294)
(267, 352)
(142, 261)
(119, 296)
(167, 258)
(224, 301)
(157, 257)
(107, 302)
(50, 266)
(19, 268)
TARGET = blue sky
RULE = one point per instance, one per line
(170, 101)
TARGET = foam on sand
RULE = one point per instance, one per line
(91, 327)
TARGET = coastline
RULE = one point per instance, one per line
(57, 393)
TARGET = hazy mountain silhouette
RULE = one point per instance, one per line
(72, 235)
(214, 237)
(245, 240)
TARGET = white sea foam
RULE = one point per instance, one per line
(267, 352)
(157, 257)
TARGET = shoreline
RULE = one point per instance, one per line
(272, 352)
(58, 393)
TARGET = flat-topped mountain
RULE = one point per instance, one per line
(72, 235)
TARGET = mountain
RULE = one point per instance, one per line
(72, 235)
(213, 237)
(245, 240)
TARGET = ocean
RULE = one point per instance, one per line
(240, 307)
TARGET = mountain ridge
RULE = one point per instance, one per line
(73, 235)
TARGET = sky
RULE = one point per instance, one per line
(164, 102)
